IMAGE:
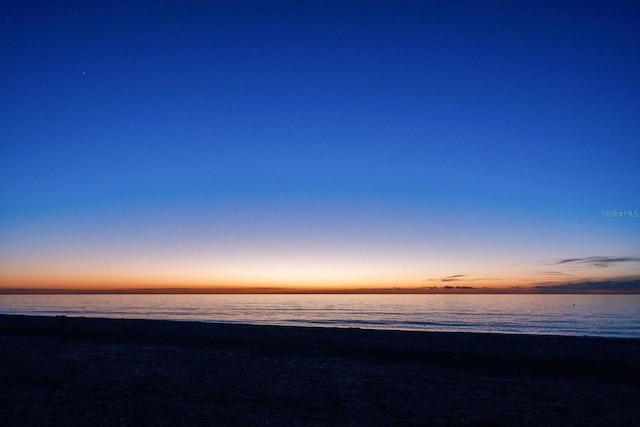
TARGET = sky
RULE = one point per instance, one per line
(319, 144)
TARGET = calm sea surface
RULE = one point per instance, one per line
(595, 315)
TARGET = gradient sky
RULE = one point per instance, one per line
(319, 143)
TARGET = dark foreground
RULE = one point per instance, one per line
(69, 371)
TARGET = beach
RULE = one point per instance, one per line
(86, 371)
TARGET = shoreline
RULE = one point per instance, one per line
(64, 369)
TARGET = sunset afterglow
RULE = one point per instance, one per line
(320, 147)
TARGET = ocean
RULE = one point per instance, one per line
(582, 315)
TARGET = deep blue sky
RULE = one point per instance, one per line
(318, 141)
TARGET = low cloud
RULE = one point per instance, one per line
(453, 278)
(598, 261)
(460, 278)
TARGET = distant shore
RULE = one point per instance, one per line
(77, 371)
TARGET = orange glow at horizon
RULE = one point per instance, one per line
(253, 283)
(367, 270)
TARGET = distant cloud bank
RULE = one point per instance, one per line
(632, 285)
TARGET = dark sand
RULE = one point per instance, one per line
(79, 371)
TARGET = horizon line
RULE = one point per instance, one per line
(445, 290)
